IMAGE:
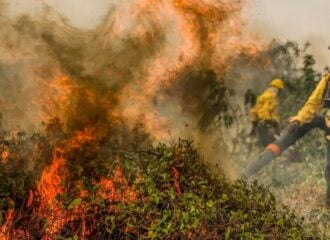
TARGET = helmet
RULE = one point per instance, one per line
(278, 83)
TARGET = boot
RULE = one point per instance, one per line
(262, 161)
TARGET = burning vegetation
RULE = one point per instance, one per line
(112, 188)
(90, 105)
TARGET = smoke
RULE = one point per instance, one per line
(146, 63)
(311, 24)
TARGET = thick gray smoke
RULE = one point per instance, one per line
(37, 48)
(146, 63)
(140, 48)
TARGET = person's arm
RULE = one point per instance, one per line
(313, 105)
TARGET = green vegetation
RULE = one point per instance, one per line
(297, 177)
(166, 192)
(209, 207)
(177, 198)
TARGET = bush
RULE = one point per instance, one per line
(163, 192)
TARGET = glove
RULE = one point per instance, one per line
(254, 129)
(294, 125)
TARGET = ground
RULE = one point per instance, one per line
(300, 185)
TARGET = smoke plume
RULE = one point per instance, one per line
(146, 64)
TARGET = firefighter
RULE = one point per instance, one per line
(264, 115)
(306, 119)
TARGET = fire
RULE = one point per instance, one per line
(5, 156)
(109, 192)
(4, 230)
(51, 180)
(55, 181)
(82, 137)
(209, 33)
(55, 95)
(49, 187)
(117, 75)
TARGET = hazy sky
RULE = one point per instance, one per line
(299, 20)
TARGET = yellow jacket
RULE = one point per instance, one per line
(314, 104)
(266, 108)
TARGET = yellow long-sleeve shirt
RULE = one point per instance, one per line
(314, 104)
(266, 108)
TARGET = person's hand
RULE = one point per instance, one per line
(294, 125)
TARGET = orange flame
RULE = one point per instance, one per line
(201, 33)
(5, 156)
(55, 178)
(50, 186)
(109, 192)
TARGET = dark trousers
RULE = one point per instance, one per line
(289, 137)
(267, 132)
